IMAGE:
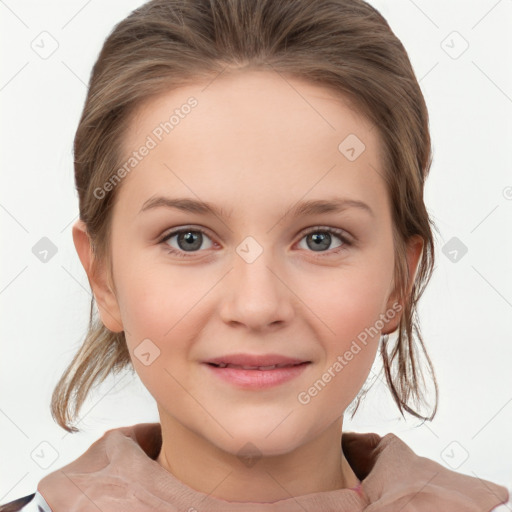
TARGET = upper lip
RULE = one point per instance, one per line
(255, 360)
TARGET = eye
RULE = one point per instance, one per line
(190, 240)
(319, 238)
(187, 240)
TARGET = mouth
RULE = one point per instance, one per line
(255, 361)
(256, 372)
(261, 368)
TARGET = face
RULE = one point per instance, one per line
(257, 275)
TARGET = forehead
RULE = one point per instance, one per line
(249, 138)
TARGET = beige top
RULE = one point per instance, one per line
(119, 473)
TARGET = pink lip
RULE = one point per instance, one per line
(257, 375)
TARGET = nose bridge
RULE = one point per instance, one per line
(253, 263)
(256, 295)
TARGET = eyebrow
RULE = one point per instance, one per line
(302, 208)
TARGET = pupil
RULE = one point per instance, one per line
(320, 238)
(192, 240)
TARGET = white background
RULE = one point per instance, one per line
(466, 310)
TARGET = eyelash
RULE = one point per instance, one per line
(317, 229)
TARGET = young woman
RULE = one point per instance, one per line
(250, 178)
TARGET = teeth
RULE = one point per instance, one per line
(252, 367)
(271, 367)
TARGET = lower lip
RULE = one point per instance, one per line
(258, 379)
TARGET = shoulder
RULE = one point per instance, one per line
(30, 503)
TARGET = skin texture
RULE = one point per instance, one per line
(255, 144)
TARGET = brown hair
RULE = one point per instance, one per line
(345, 45)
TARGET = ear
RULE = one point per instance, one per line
(98, 279)
(414, 252)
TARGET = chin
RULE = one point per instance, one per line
(261, 440)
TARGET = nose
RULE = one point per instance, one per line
(255, 294)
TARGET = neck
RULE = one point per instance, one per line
(317, 466)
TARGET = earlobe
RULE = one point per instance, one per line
(98, 279)
(414, 252)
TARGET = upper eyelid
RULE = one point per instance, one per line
(337, 231)
(176, 231)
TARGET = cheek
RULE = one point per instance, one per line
(162, 323)
(348, 313)
(165, 306)
(349, 308)
(349, 301)
(155, 298)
